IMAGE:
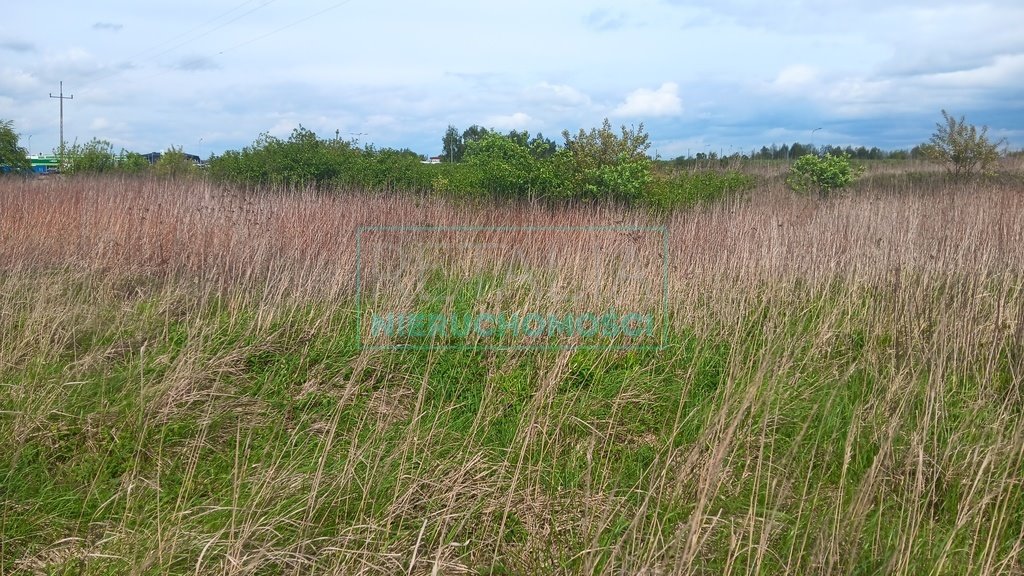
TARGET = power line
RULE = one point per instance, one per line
(212, 30)
(285, 27)
(190, 31)
(262, 36)
(187, 33)
(236, 46)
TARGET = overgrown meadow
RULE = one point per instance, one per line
(185, 385)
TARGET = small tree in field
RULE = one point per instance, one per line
(603, 164)
(823, 174)
(94, 157)
(961, 148)
(174, 164)
(132, 162)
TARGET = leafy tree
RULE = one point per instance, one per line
(174, 163)
(132, 162)
(538, 146)
(407, 153)
(12, 156)
(961, 147)
(306, 159)
(541, 147)
(503, 166)
(474, 133)
(627, 179)
(604, 164)
(823, 174)
(452, 145)
(94, 157)
(390, 169)
(520, 138)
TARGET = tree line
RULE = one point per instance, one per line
(597, 164)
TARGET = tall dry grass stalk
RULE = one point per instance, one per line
(867, 414)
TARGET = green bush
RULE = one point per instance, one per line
(822, 174)
(94, 157)
(503, 167)
(304, 159)
(97, 157)
(596, 165)
(390, 169)
(693, 189)
(132, 163)
(605, 165)
(175, 164)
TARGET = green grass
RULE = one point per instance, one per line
(161, 431)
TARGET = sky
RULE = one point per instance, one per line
(722, 75)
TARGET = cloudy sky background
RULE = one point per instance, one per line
(723, 75)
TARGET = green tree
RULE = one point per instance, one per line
(822, 174)
(12, 156)
(94, 157)
(473, 134)
(798, 150)
(503, 166)
(174, 163)
(603, 164)
(132, 162)
(961, 147)
(452, 145)
(520, 138)
(541, 147)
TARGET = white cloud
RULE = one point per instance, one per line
(795, 78)
(517, 121)
(1004, 71)
(830, 64)
(15, 81)
(558, 95)
(283, 128)
(664, 101)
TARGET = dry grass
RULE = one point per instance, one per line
(183, 391)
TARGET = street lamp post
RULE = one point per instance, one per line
(812, 139)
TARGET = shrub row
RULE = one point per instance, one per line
(595, 165)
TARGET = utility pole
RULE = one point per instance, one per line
(62, 98)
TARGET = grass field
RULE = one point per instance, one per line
(183, 387)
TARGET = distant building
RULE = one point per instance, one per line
(40, 165)
(45, 164)
(154, 157)
(432, 160)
